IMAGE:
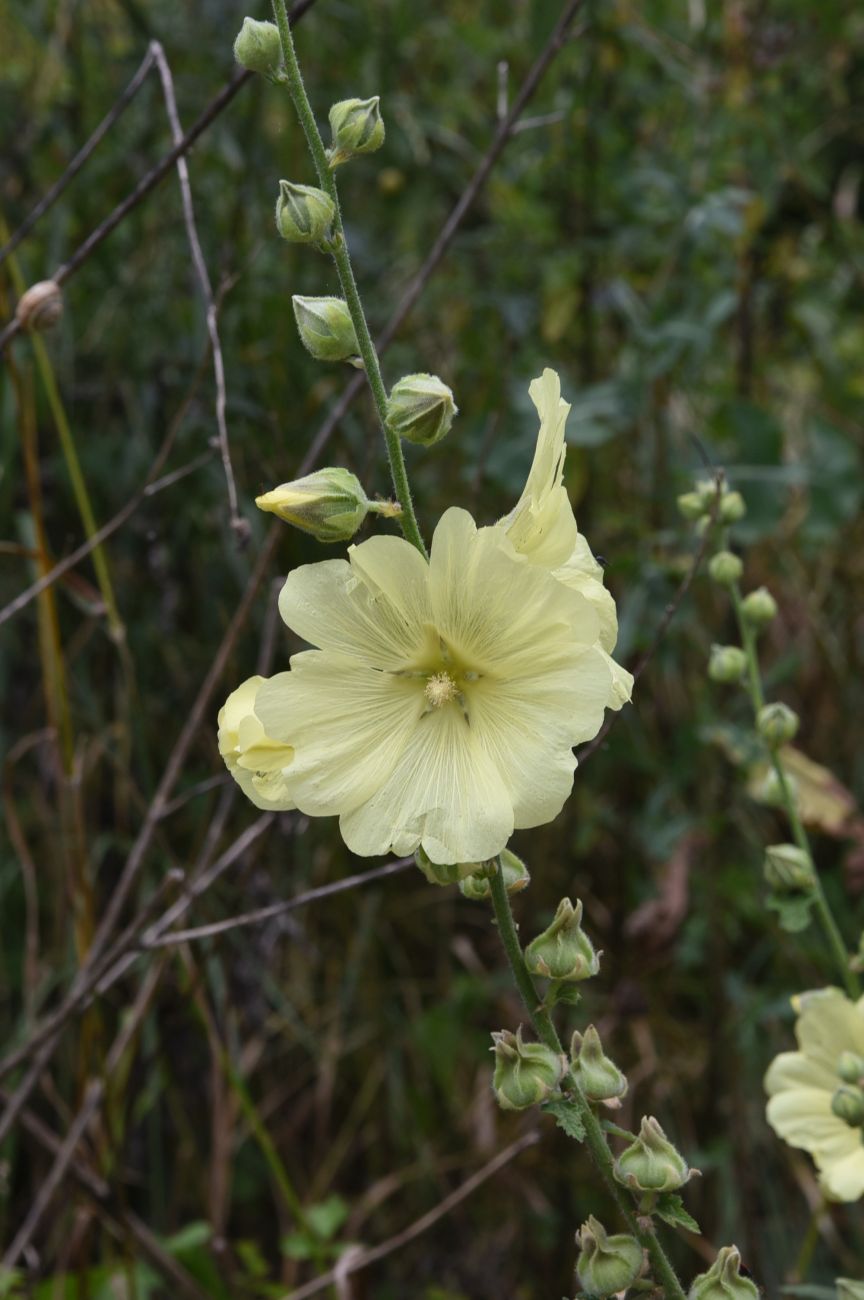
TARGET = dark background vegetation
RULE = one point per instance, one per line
(682, 241)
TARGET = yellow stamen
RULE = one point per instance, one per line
(440, 689)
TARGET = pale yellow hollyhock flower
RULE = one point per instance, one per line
(543, 528)
(257, 763)
(801, 1084)
(443, 704)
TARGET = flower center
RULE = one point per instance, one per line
(440, 689)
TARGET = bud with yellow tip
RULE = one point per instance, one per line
(330, 504)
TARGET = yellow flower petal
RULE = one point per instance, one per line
(828, 1025)
(260, 765)
(843, 1180)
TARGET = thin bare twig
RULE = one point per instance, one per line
(240, 526)
(359, 1259)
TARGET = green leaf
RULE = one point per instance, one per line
(326, 1218)
(297, 1245)
(561, 991)
(793, 910)
(670, 1207)
(567, 1116)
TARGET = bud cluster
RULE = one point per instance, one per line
(699, 504)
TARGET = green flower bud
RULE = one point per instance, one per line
(326, 329)
(706, 490)
(258, 47)
(723, 1281)
(847, 1104)
(788, 869)
(776, 724)
(329, 504)
(732, 508)
(771, 789)
(651, 1163)
(725, 568)
(598, 1076)
(691, 505)
(850, 1067)
(448, 873)
(525, 1073)
(304, 214)
(849, 1290)
(420, 408)
(357, 127)
(759, 607)
(563, 951)
(606, 1265)
(478, 885)
(728, 663)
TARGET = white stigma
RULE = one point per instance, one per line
(440, 688)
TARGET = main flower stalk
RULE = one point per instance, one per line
(294, 80)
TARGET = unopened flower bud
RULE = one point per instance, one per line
(478, 885)
(525, 1073)
(788, 869)
(330, 504)
(448, 873)
(357, 127)
(725, 568)
(723, 1281)
(420, 408)
(771, 789)
(606, 1265)
(759, 607)
(777, 724)
(326, 329)
(847, 1104)
(258, 47)
(598, 1076)
(40, 307)
(304, 214)
(732, 508)
(651, 1163)
(728, 663)
(707, 491)
(850, 1067)
(563, 951)
(691, 505)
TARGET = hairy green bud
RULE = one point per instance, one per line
(329, 504)
(651, 1163)
(606, 1265)
(563, 951)
(420, 408)
(525, 1073)
(850, 1067)
(847, 1104)
(725, 568)
(478, 885)
(759, 607)
(258, 47)
(598, 1076)
(357, 127)
(723, 1281)
(305, 215)
(727, 663)
(788, 869)
(326, 329)
(777, 724)
(732, 508)
(448, 873)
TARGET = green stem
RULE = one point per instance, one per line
(294, 80)
(595, 1138)
(827, 920)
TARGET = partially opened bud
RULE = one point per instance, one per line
(598, 1076)
(448, 873)
(727, 663)
(420, 408)
(478, 885)
(40, 307)
(330, 504)
(788, 869)
(258, 47)
(525, 1073)
(357, 127)
(563, 951)
(723, 1281)
(606, 1265)
(326, 329)
(777, 724)
(304, 214)
(725, 568)
(651, 1163)
(759, 607)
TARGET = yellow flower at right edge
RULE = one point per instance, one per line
(543, 528)
(817, 1093)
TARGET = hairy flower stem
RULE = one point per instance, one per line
(595, 1138)
(293, 78)
(829, 925)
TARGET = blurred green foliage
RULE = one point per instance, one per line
(678, 232)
